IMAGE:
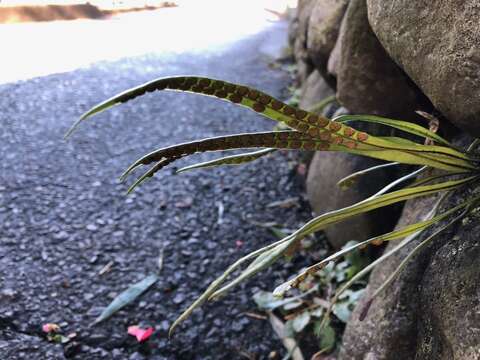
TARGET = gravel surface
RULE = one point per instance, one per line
(64, 215)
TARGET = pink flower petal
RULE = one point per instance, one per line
(145, 334)
(139, 333)
(132, 330)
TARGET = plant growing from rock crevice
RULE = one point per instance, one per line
(455, 167)
(302, 312)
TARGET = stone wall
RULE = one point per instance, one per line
(391, 58)
(432, 310)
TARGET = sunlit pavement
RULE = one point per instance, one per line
(64, 216)
(36, 49)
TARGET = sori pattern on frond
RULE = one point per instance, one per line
(310, 131)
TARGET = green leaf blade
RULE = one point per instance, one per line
(238, 159)
(406, 126)
(126, 297)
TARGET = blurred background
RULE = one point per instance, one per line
(127, 28)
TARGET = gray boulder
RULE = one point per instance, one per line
(437, 43)
(368, 81)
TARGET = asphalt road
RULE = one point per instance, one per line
(64, 215)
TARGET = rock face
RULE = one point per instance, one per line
(450, 306)
(432, 310)
(437, 43)
(326, 169)
(368, 81)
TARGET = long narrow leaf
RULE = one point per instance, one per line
(351, 179)
(406, 241)
(320, 222)
(377, 240)
(406, 126)
(238, 159)
(323, 221)
(267, 259)
(273, 139)
(255, 100)
(433, 178)
(403, 179)
(438, 157)
(126, 297)
(218, 282)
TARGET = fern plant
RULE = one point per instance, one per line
(455, 169)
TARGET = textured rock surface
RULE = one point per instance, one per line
(432, 310)
(450, 299)
(368, 80)
(298, 38)
(437, 43)
(326, 169)
(314, 90)
(323, 28)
